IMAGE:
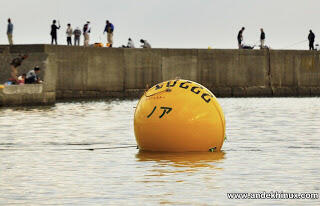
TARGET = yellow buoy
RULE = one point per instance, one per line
(179, 116)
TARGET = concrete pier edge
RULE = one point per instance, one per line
(72, 72)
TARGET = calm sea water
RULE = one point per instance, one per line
(83, 153)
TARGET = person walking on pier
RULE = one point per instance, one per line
(69, 33)
(86, 33)
(262, 38)
(53, 32)
(109, 29)
(10, 31)
(311, 38)
(77, 35)
(240, 37)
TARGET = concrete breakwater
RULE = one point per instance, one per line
(30, 94)
(82, 72)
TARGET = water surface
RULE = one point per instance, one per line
(83, 153)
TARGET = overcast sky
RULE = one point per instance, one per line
(167, 23)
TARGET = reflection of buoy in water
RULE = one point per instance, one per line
(179, 116)
(181, 159)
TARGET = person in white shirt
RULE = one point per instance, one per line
(32, 76)
(145, 44)
(69, 33)
(130, 43)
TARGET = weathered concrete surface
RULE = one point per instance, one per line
(16, 95)
(79, 72)
(295, 73)
(88, 72)
(31, 94)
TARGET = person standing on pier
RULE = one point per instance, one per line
(262, 38)
(109, 29)
(10, 31)
(86, 32)
(77, 35)
(53, 32)
(69, 33)
(240, 37)
(311, 38)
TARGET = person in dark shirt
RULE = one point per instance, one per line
(109, 29)
(15, 63)
(311, 38)
(77, 35)
(10, 31)
(86, 33)
(262, 38)
(53, 32)
(240, 37)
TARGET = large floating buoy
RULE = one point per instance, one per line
(179, 116)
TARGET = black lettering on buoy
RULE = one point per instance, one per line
(193, 90)
(205, 95)
(158, 86)
(155, 107)
(174, 84)
(182, 85)
(166, 110)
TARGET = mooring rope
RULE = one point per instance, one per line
(90, 149)
(300, 42)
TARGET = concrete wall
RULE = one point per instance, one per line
(37, 57)
(295, 73)
(78, 72)
(29, 94)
